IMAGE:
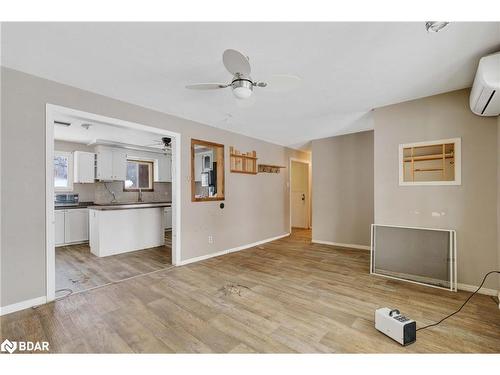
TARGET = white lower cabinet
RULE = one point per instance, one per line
(59, 238)
(168, 217)
(72, 226)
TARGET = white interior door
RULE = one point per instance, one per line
(300, 195)
(299, 209)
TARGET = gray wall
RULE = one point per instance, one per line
(470, 208)
(343, 188)
(256, 206)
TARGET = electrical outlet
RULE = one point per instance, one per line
(210, 239)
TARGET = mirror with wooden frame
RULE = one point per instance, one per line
(207, 171)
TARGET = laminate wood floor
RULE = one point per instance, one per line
(78, 269)
(285, 296)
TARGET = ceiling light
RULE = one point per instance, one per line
(435, 26)
(242, 92)
(242, 88)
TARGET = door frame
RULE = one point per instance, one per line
(50, 111)
(309, 184)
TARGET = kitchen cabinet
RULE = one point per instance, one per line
(202, 163)
(111, 164)
(168, 217)
(164, 170)
(119, 165)
(72, 226)
(84, 167)
(104, 164)
(59, 237)
(76, 225)
(120, 231)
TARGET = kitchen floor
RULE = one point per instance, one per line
(78, 269)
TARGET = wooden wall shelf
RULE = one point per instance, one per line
(269, 168)
(245, 163)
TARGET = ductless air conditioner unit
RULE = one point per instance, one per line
(485, 94)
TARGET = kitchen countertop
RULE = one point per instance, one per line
(80, 205)
(128, 205)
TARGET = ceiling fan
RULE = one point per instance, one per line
(242, 83)
(165, 144)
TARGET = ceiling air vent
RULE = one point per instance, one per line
(62, 123)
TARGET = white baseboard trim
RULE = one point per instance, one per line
(228, 251)
(472, 288)
(338, 244)
(22, 305)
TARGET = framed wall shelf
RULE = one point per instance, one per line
(245, 163)
(430, 163)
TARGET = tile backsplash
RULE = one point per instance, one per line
(162, 192)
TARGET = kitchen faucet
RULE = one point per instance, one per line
(139, 198)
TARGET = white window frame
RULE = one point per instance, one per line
(69, 156)
(458, 162)
(154, 168)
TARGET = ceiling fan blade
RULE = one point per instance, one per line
(236, 62)
(207, 86)
(282, 82)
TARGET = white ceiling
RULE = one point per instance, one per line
(102, 131)
(347, 69)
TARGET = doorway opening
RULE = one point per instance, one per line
(300, 194)
(112, 200)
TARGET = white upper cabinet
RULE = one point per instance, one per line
(164, 171)
(197, 167)
(202, 163)
(111, 164)
(104, 164)
(119, 165)
(84, 170)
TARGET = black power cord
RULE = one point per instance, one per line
(461, 307)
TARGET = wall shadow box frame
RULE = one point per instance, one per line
(431, 163)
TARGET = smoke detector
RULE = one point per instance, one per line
(435, 26)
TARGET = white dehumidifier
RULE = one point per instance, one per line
(398, 327)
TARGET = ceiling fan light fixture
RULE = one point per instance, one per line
(242, 92)
(435, 26)
(242, 88)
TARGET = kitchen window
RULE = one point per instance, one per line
(139, 175)
(63, 171)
